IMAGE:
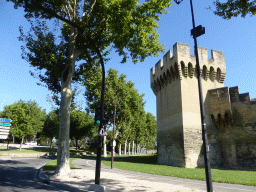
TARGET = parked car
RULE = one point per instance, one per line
(31, 143)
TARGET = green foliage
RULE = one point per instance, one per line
(51, 125)
(124, 25)
(129, 25)
(131, 119)
(81, 125)
(27, 118)
(233, 8)
(151, 131)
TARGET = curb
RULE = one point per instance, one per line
(44, 179)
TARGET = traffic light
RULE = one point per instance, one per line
(97, 115)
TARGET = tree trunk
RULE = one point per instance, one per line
(63, 167)
(125, 147)
(105, 146)
(51, 144)
(120, 149)
(129, 149)
(133, 147)
(13, 139)
(21, 143)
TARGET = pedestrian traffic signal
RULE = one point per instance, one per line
(97, 115)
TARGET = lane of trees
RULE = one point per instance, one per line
(128, 27)
(132, 124)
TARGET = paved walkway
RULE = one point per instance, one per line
(117, 180)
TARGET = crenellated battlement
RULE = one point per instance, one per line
(181, 64)
(233, 93)
(229, 115)
(224, 100)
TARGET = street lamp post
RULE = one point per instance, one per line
(32, 4)
(196, 32)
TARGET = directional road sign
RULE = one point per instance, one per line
(3, 136)
(5, 124)
(4, 133)
(5, 130)
(4, 127)
(5, 120)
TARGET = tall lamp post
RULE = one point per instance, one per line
(196, 32)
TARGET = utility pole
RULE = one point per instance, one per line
(196, 32)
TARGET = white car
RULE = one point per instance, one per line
(31, 143)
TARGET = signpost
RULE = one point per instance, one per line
(5, 124)
(4, 128)
(102, 132)
(3, 136)
(5, 120)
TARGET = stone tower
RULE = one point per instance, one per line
(174, 82)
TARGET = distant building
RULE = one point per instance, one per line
(230, 116)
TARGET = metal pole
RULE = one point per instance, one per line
(204, 130)
(99, 144)
(112, 160)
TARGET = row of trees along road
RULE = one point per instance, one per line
(27, 119)
(132, 122)
(126, 26)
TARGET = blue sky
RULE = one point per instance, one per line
(235, 37)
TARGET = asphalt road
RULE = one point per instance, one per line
(18, 174)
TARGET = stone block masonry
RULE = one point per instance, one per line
(179, 133)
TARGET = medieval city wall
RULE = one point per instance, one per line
(234, 117)
(174, 82)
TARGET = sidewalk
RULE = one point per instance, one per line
(116, 180)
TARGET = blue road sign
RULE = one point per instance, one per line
(5, 120)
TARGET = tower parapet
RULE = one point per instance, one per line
(181, 64)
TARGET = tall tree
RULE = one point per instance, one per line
(131, 118)
(150, 131)
(127, 26)
(27, 118)
(51, 126)
(81, 125)
(233, 8)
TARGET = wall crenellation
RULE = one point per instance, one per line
(181, 64)
(230, 115)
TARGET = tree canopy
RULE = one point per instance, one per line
(233, 8)
(126, 26)
(27, 118)
(81, 125)
(131, 121)
(51, 126)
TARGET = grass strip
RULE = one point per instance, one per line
(52, 165)
(33, 150)
(148, 164)
(38, 150)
